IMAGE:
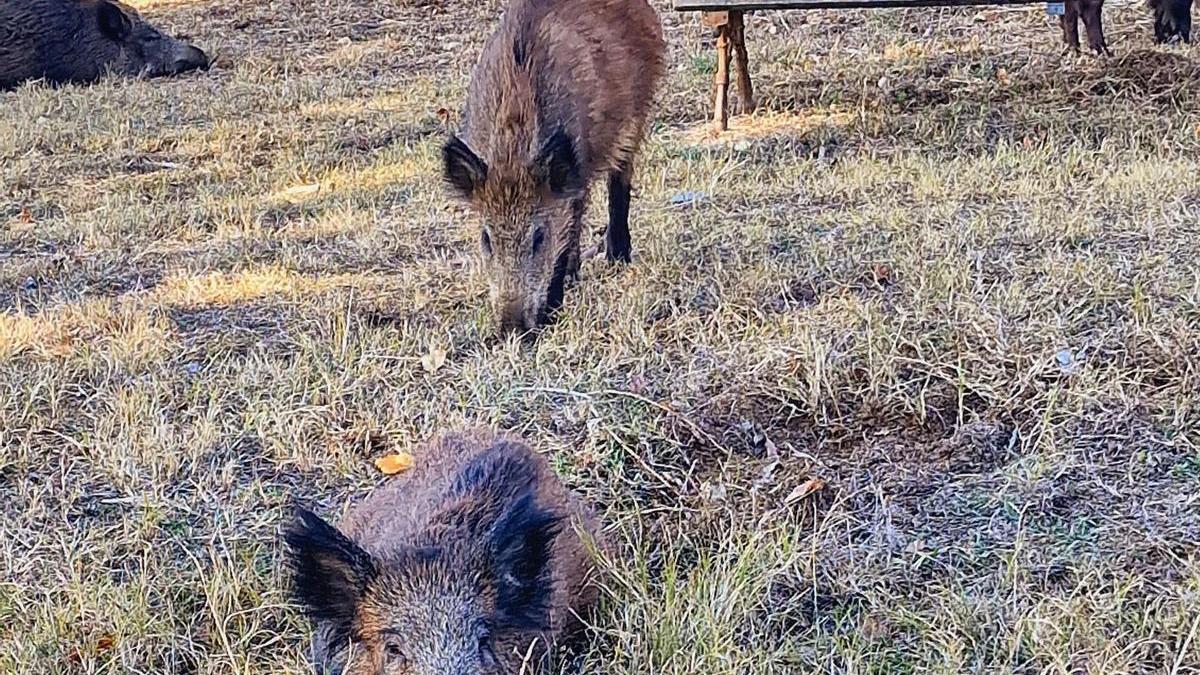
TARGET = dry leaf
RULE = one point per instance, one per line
(810, 486)
(434, 360)
(884, 275)
(395, 463)
(106, 643)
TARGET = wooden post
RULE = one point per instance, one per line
(720, 20)
(737, 33)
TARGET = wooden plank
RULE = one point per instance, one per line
(745, 5)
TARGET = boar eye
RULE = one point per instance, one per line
(486, 655)
(485, 240)
(393, 653)
(539, 238)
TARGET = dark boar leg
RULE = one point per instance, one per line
(1095, 29)
(1070, 24)
(1172, 20)
(1162, 30)
(617, 246)
(574, 256)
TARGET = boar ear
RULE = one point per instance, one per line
(522, 539)
(557, 165)
(463, 169)
(329, 572)
(114, 23)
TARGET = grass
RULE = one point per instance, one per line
(906, 381)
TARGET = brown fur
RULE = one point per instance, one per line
(560, 96)
(427, 559)
(80, 40)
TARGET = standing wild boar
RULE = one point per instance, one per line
(1172, 20)
(80, 40)
(560, 96)
(471, 563)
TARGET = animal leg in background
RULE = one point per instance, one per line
(1070, 24)
(1095, 29)
(1172, 20)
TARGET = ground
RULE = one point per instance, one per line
(905, 376)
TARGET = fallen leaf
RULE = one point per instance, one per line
(884, 275)
(106, 643)
(26, 216)
(395, 463)
(434, 360)
(807, 488)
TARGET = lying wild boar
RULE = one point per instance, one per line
(80, 40)
(471, 563)
(560, 96)
(1089, 11)
(1172, 20)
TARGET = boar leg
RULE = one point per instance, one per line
(574, 256)
(1095, 30)
(1070, 24)
(617, 246)
(1172, 20)
(1162, 30)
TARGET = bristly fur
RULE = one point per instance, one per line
(1172, 20)
(522, 541)
(558, 167)
(503, 468)
(502, 481)
(329, 571)
(463, 170)
(475, 538)
(561, 96)
(81, 40)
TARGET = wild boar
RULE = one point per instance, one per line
(1172, 20)
(560, 96)
(1089, 11)
(81, 40)
(471, 563)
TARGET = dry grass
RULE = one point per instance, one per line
(945, 271)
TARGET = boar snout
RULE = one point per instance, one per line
(513, 319)
(183, 58)
(192, 58)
